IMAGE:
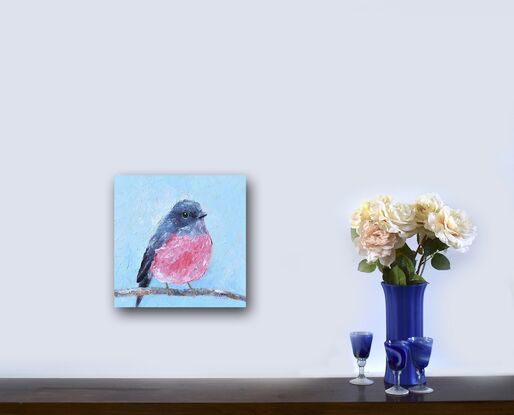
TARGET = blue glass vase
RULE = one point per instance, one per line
(404, 319)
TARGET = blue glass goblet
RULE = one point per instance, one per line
(361, 345)
(397, 352)
(420, 350)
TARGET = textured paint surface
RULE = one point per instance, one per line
(140, 204)
(182, 259)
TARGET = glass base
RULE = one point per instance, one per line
(421, 389)
(397, 390)
(362, 381)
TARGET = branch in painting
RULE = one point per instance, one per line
(191, 292)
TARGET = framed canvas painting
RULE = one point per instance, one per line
(180, 241)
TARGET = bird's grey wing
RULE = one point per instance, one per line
(144, 268)
(158, 239)
(144, 276)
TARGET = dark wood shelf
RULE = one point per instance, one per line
(453, 395)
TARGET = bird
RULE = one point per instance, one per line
(180, 250)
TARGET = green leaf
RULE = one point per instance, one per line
(441, 246)
(387, 276)
(354, 233)
(405, 263)
(440, 262)
(365, 266)
(407, 251)
(398, 276)
(416, 279)
(431, 246)
(380, 266)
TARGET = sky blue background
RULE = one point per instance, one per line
(140, 202)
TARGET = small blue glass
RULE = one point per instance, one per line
(361, 345)
(397, 352)
(420, 350)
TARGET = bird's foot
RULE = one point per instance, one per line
(168, 288)
(192, 289)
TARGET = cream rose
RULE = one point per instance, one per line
(453, 227)
(393, 217)
(360, 215)
(375, 243)
(378, 209)
(368, 209)
(400, 218)
(426, 204)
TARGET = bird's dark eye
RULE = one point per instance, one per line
(185, 214)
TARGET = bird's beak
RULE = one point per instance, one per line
(202, 215)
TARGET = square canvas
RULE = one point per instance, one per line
(180, 241)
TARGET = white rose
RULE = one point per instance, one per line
(426, 204)
(453, 227)
(401, 218)
(375, 243)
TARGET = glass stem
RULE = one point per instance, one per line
(397, 377)
(361, 363)
(419, 377)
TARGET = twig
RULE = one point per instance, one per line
(191, 292)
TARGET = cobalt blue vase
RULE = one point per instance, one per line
(404, 319)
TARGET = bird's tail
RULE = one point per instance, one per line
(143, 284)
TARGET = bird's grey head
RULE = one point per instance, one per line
(187, 213)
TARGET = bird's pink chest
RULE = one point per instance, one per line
(182, 259)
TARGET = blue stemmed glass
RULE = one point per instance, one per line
(361, 345)
(397, 352)
(420, 350)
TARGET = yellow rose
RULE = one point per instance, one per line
(360, 215)
(370, 209)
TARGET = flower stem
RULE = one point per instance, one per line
(423, 263)
(422, 256)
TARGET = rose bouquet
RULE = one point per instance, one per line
(380, 229)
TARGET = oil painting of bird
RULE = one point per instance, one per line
(180, 250)
(180, 241)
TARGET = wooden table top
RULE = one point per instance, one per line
(452, 395)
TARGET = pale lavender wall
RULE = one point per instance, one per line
(319, 104)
